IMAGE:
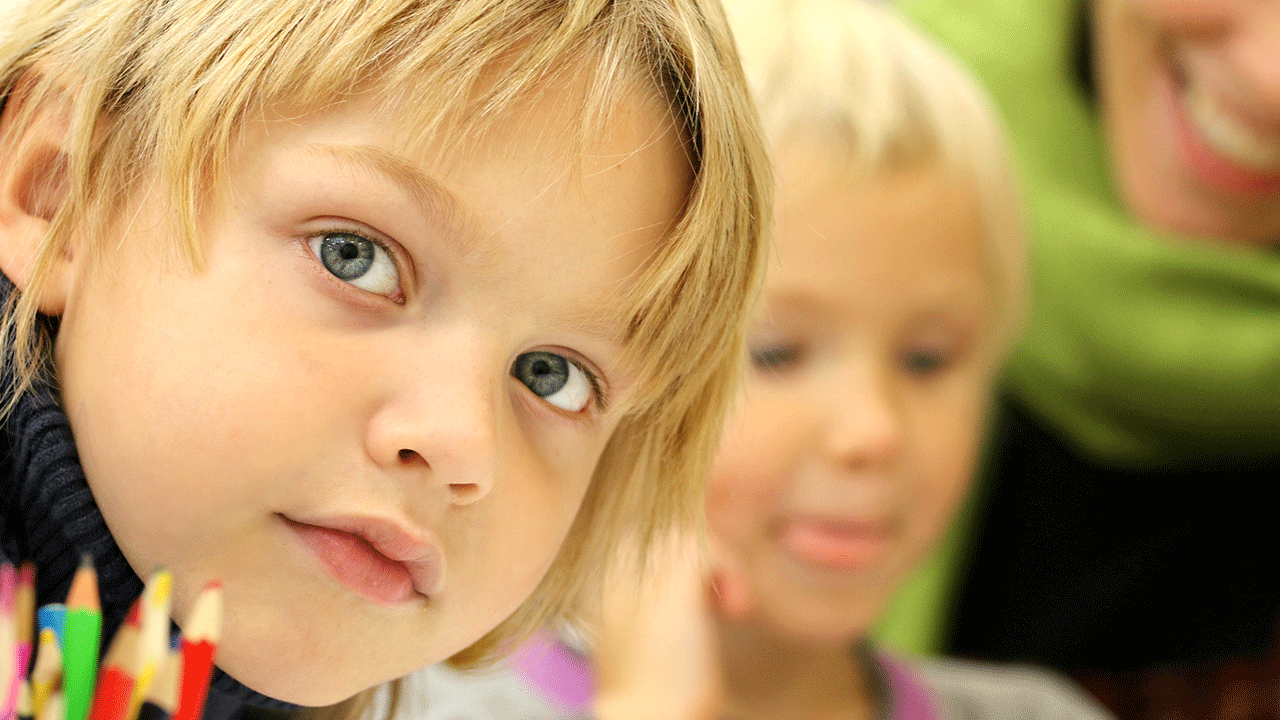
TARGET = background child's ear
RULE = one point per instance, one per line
(33, 185)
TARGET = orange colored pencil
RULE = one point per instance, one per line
(119, 669)
(199, 644)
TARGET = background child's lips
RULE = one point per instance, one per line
(835, 544)
(377, 559)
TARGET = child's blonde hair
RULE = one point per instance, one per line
(853, 78)
(156, 93)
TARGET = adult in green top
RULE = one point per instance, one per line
(1124, 525)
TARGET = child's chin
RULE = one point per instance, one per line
(300, 678)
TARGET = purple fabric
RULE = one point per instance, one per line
(908, 697)
(563, 675)
(558, 671)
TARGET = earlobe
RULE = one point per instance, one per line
(33, 186)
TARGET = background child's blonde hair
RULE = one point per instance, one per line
(876, 97)
(156, 92)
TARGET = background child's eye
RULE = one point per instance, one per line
(776, 357)
(556, 379)
(359, 261)
(925, 362)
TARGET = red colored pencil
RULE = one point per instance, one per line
(119, 669)
(199, 643)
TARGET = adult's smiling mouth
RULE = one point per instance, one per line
(382, 560)
(1219, 143)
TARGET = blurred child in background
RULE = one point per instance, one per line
(895, 291)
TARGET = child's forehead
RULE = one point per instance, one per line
(882, 243)
(381, 130)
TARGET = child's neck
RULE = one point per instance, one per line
(769, 677)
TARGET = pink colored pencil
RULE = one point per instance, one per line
(10, 673)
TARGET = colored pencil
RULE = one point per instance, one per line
(10, 674)
(24, 701)
(162, 696)
(54, 617)
(200, 638)
(80, 639)
(47, 672)
(24, 611)
(114, 691)
(153, 639)
(55, 708)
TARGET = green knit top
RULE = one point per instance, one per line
(1142, 347)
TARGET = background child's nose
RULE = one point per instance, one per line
(865, 427)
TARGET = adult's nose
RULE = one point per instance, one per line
(1255, 53)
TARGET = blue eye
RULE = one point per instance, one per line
(554, 378)
(357, 260)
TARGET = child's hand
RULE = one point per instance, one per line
(656, 654)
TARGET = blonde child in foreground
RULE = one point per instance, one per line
(896, 287)
(373, 311)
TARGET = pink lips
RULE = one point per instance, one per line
(1217, 170)
(377, 559)
(835, 545)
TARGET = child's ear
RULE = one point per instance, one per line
(33, 184)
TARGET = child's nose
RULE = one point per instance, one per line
(865, 430)
(441, 425)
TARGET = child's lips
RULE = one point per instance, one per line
(378, 559)
(843, 545)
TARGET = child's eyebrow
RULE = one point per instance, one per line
(436, 200)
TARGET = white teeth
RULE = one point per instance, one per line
(1227, 135)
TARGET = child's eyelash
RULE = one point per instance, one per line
(597, 389)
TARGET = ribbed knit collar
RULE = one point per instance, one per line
(51, 519)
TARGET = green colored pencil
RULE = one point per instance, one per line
(80, 639)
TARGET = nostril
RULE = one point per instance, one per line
(465, 493)
(408, 456)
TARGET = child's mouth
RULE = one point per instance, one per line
(835, 545)
(356, 554)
